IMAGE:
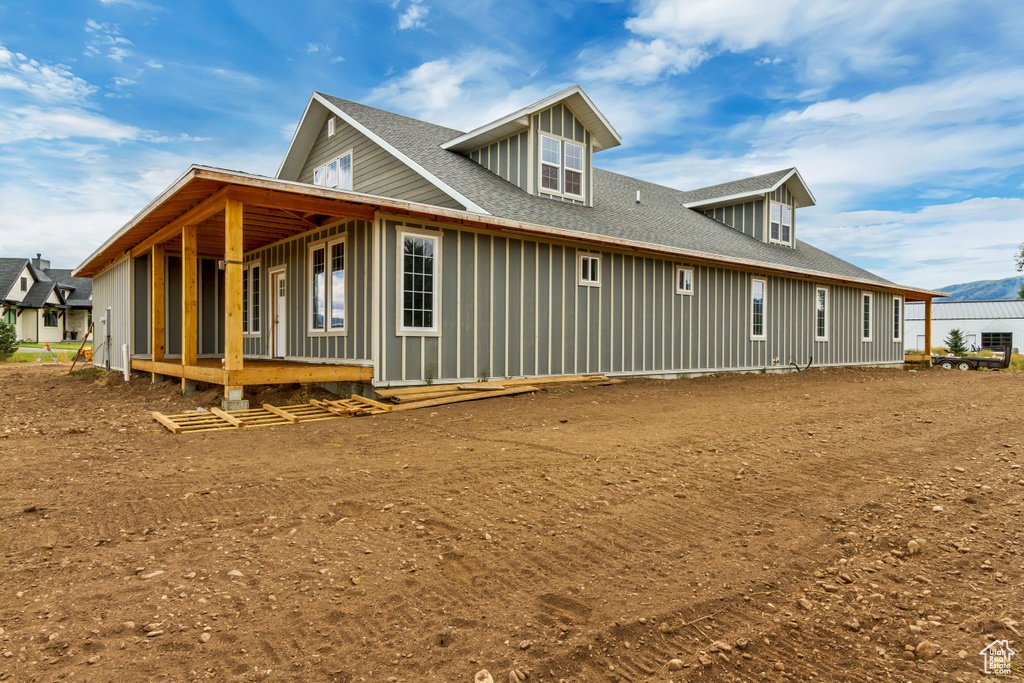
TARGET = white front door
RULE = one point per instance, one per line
(279, 334)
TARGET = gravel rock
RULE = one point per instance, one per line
(516, 676)
(805, 604)
(483, 676)
(204, 637)
(236, 573)
(913, 547)
(675, 664)
(926, 650)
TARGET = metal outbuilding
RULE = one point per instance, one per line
(985, 324)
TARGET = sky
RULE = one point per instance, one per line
(905, 118)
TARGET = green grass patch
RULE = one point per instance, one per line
(66, 346)
(31, 356)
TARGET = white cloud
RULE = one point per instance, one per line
(61, 123)
(106, 37)
(414, 16)
(674, 36)
(48, 83)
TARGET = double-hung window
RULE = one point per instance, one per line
(590, 269)
(24, 284)
(335, 173)
(820, 314)
(327, 286)
(561, 166)
(897, 319)
(758, 309)
(418, 283)
(866, 304)
(50, 317)
(684, 280)
(780, 223)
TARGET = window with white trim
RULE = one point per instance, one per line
(550, 163)
(684, 280)
(251, 286)
(897, 318)
(821, 314)
(758, 309)
(418, 283)
(335, 173)
(780, 221)
(561, 166)
(590, 269)
(327, 286)
(866, 304)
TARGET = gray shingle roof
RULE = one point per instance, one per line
(10, 269)
(36, 295)
(758, 183)
(660, 219)
(81, 287)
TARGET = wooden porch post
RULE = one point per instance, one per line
(928, 329)
(189, 292)
(156, 258)
(233, 293)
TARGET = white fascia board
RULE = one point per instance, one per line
(295, 136)
(753, 194)
(429, 177)
(515, 119)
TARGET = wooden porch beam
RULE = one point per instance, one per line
(189, 291)
(197, 214)
(928, 329)
(156, 259)
(326, 207)
(233, 288)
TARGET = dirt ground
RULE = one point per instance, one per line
(753, 527)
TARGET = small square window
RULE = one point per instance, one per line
(549, 177)
(550, 151)
(319, 175)
(590, 269)
(684, 281)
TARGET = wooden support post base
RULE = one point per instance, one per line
(188, 387)
(228, 404)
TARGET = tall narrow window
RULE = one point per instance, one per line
(318, 295)
(337, 285)
(332, 174)
(254, 299)
(757, 309)
(821, 314)
(345, 171)
(684, 281)
(787, 223)
(776, 220)
(319, 175)
(897, 319)
(590, 269)
(573, 169)
(866, 317)
(330, 127)
(550, 163)
(419, 272)
(24, 284)
(245, 301)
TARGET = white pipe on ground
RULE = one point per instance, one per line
(127, 362)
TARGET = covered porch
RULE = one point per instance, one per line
(211, 225)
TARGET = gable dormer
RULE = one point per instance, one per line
(763, 207)
(546, 148)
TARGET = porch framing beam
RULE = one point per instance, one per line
(233, 222)
(211, 206)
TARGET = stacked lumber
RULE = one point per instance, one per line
(392, 400)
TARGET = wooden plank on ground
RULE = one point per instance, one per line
(227, 417)
(370, 402)
(166, 422)
(406, 398)
(481, 386)
(464, 396)
(280, 412)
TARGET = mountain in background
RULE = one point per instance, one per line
(984, 290)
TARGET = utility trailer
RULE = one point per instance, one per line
(972, 362)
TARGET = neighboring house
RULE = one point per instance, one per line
(394, 251)
(985, 324)
(44, 304)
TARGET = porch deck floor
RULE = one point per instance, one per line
(256, 371)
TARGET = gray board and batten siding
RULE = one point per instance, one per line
(112, 289)
(749, 217)
(517, 157)
(374, 170)
(512, 306)
(350, 346)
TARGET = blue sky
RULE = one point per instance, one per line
(907, 122)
